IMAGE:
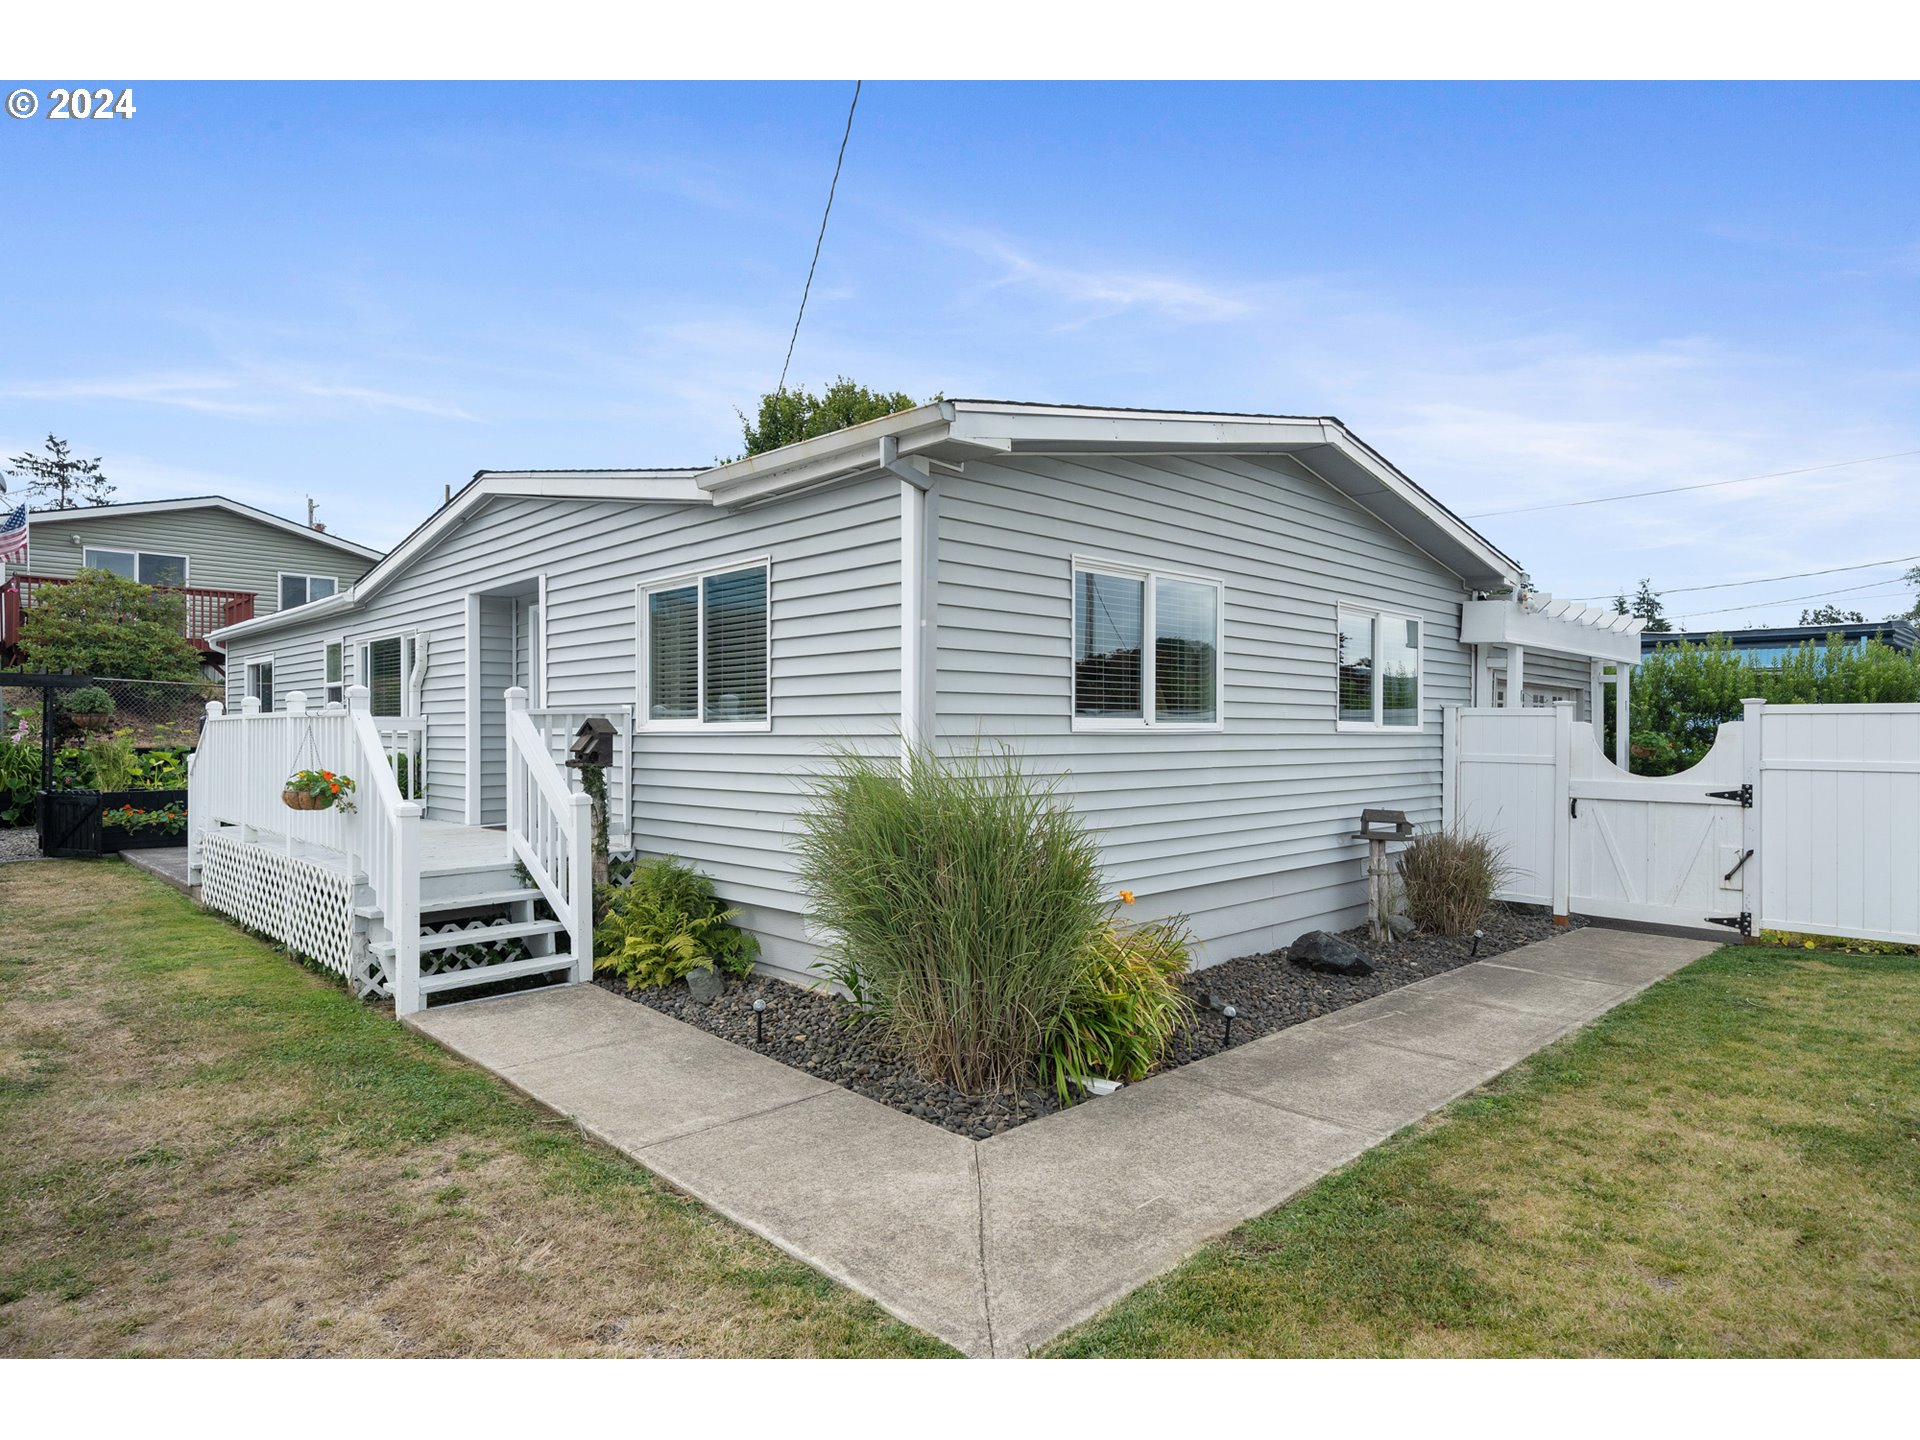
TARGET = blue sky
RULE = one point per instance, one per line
(1520, 294)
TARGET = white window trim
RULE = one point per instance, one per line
(280, 581)
(246, 679)
(1378, 725)
(340, 684)
(186, 561)
(361, 642)
(643, 653)
(1089, 564)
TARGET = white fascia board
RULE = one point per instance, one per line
(315, 610)
(824, 457)
(1032, 427)
(1502, 622)
(208, 502)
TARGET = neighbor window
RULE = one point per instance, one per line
(260, 682)
(1119, 617)
(1378, 683)
(705, 648)
(336, 684)
(300, 589)
(385, 666)
(145, 566)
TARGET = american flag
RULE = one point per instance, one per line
(13, 532)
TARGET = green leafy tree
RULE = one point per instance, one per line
(59, 479)
(786, 417)
(1832, 615)
(1912, 612)
(104, 624)
(1647, 605)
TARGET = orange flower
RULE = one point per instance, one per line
(335, 789)
(1126, 897)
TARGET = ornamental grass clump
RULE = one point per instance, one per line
(1450, 877)
(1126, 1009)
(961, 898)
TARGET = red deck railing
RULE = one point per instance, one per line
(207, 610)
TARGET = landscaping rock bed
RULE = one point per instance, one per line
(809, 1029)
(22, 844)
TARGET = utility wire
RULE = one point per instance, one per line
(1817, 595)
(781, 388)
(1677, 489)
(1764, 579)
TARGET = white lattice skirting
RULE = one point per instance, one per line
(306, 907)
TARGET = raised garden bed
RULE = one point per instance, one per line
(72, 822)
(811, 1030)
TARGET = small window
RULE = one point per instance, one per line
(336, 683)
(705, 649)
(146, 567)
(260, 682)
(1378, 670)
(302, 589)
(385, 668)
(1119, 618)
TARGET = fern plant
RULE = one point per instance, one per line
(664, 922)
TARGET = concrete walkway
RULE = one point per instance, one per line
(166, 862)
(996, 1246)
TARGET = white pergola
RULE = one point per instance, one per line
(1608, 642)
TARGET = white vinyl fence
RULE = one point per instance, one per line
(1802, 818)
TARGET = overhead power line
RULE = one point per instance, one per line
(1878, 585)
(838, 161)
(1764, 579)
(1677, 489)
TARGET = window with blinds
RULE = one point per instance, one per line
(1378, 671)
(1118, 619)
(706, 648)
(383, 670)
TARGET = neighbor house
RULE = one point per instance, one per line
(1772, 645)
(229, 562)
(1226, 635)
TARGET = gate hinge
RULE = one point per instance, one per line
(1744, 795)
(1743, 922)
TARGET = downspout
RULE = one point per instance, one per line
(914, 483)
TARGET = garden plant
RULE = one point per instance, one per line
(665, 922)
(1450, 877)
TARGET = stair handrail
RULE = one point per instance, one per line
(550, 826)
(385, 845)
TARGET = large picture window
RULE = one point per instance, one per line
(146, 566)
(704, 648)
(1122, 617)
(1378, 671)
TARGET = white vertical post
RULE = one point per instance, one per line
(1753, 720)
(403, 917)
(249, 782)
(580, 885)
(1563, 809)
(1450, 765)
(516, 704)
(199, 795)
(1622, 748)
(913, 559)
(1597, 699)
(1516, 674)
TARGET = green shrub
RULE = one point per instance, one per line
(113, 763)
(19, 776)
(1126, 1006)
(87, 700)
(960, 899)
(103, 624)
(664, 921)
(1450, 877)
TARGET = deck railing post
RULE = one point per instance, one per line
(199, 787)
(403, 918)
(249, 710)
(580, 885)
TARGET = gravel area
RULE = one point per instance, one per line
(822, 1035)
(19, 845)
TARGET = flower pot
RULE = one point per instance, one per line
(301, 800)
(89, 722)
(706, 983)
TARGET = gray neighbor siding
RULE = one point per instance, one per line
(224, 551)
(1246, 830)
(723, 799)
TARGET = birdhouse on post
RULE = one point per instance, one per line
(592, 744)
(1377, 827)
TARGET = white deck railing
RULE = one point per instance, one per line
(241, 764)
(551, 830)
(557, 728)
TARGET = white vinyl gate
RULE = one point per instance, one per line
(1802, 818)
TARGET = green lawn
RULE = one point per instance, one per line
(210, 1151)
(1729, 1165)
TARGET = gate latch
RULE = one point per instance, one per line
(1744, 795)
(1743, 922)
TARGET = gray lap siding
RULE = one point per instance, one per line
(1246, 829)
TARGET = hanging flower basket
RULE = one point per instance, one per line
(318, 790)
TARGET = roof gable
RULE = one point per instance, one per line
(137, 508)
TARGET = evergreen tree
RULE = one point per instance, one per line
(1647, 605)
(104, 624)
(59, 476)
(1832, 615)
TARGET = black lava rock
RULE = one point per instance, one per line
(1329, 954)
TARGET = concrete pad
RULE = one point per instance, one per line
(1556, 997)
(165, 862)
(884, 1203)
(1451, 1027)
(1338, 1077)
(1082, 1207)
(1613, 957)
(509, 1031)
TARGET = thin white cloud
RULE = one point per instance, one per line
(246, 392)
(1090, 292)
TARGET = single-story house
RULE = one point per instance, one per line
(1771, 645)
(1226, 634)
(228, 561)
